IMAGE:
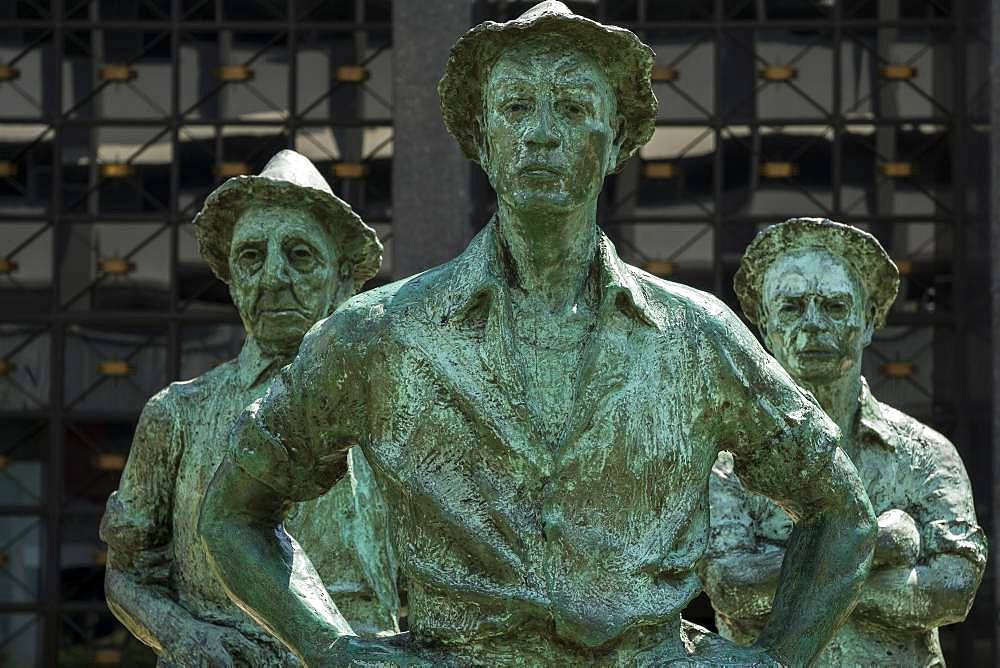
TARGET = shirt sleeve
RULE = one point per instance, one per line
(137, 521)
(941, 501)
(785, 447)
(295, 439)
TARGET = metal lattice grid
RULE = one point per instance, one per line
(116, 120)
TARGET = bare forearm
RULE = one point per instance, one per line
(147, 610)
(824, 567)
(920, 597)
(742, 584)
(263, 569)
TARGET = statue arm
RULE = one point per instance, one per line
(290, 446)
(741, 569)
(786, 448)
(137, 528)
(921, 597)
(263, 569)
(940, 586)
(741, 584)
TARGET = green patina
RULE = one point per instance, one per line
(818, 290)
(281, 251)
(541, 417)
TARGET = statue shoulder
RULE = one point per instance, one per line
(193, 390)
(916, 439)
(679, 302)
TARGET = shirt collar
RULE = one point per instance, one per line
(253, 363)
(485, 268)
(872, 422)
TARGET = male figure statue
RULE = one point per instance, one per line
(818, 290)
(541, 417)
(291, 251)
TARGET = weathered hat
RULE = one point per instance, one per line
(861, 251)
(290, 180)
(626, 61)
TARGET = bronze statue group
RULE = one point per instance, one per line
(548, 451)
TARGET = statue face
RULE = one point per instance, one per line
(550, 123)
(814, 316)
(283, 270)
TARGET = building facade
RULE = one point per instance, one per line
(117, 118)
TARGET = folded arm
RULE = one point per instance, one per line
(741, 570)
(921, 597)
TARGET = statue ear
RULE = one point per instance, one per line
(616, 145)
(869, 325)
(482, 146)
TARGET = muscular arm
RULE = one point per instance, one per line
(291, 446)
(263, 568)
(786, 448)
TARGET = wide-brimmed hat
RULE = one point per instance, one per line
(861, 251)
(626, 61)
(289, 180)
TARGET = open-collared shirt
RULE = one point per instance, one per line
(904, 465)
(510, 544)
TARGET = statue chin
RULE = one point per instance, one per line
(817, 368)
(279, 335)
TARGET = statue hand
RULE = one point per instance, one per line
(898, 541)
(210, 646)
(355, 651)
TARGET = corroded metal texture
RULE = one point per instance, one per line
(818, 290)
(541, 417)
(284, 269)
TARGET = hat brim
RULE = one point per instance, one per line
(626, 61)
(859, 249)
(357, 244)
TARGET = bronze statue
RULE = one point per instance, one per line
(291, 251)
(541, 417)
(818, 290)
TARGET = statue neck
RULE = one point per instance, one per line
(839, 398)
(552, 253)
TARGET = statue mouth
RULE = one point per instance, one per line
(537, 169)
(817, 353)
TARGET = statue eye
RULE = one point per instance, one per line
(837, 309)
(573, 110)
(249, 257)
(302, 257)
(516, 108)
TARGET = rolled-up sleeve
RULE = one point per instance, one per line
(941, 501)
(295, 439)
(137, 520)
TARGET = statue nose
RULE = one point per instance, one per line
(813, 319)
(542, 133)
(275, 274)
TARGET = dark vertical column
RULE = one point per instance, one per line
(51, 569)
(995, 295)
(431, 201)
